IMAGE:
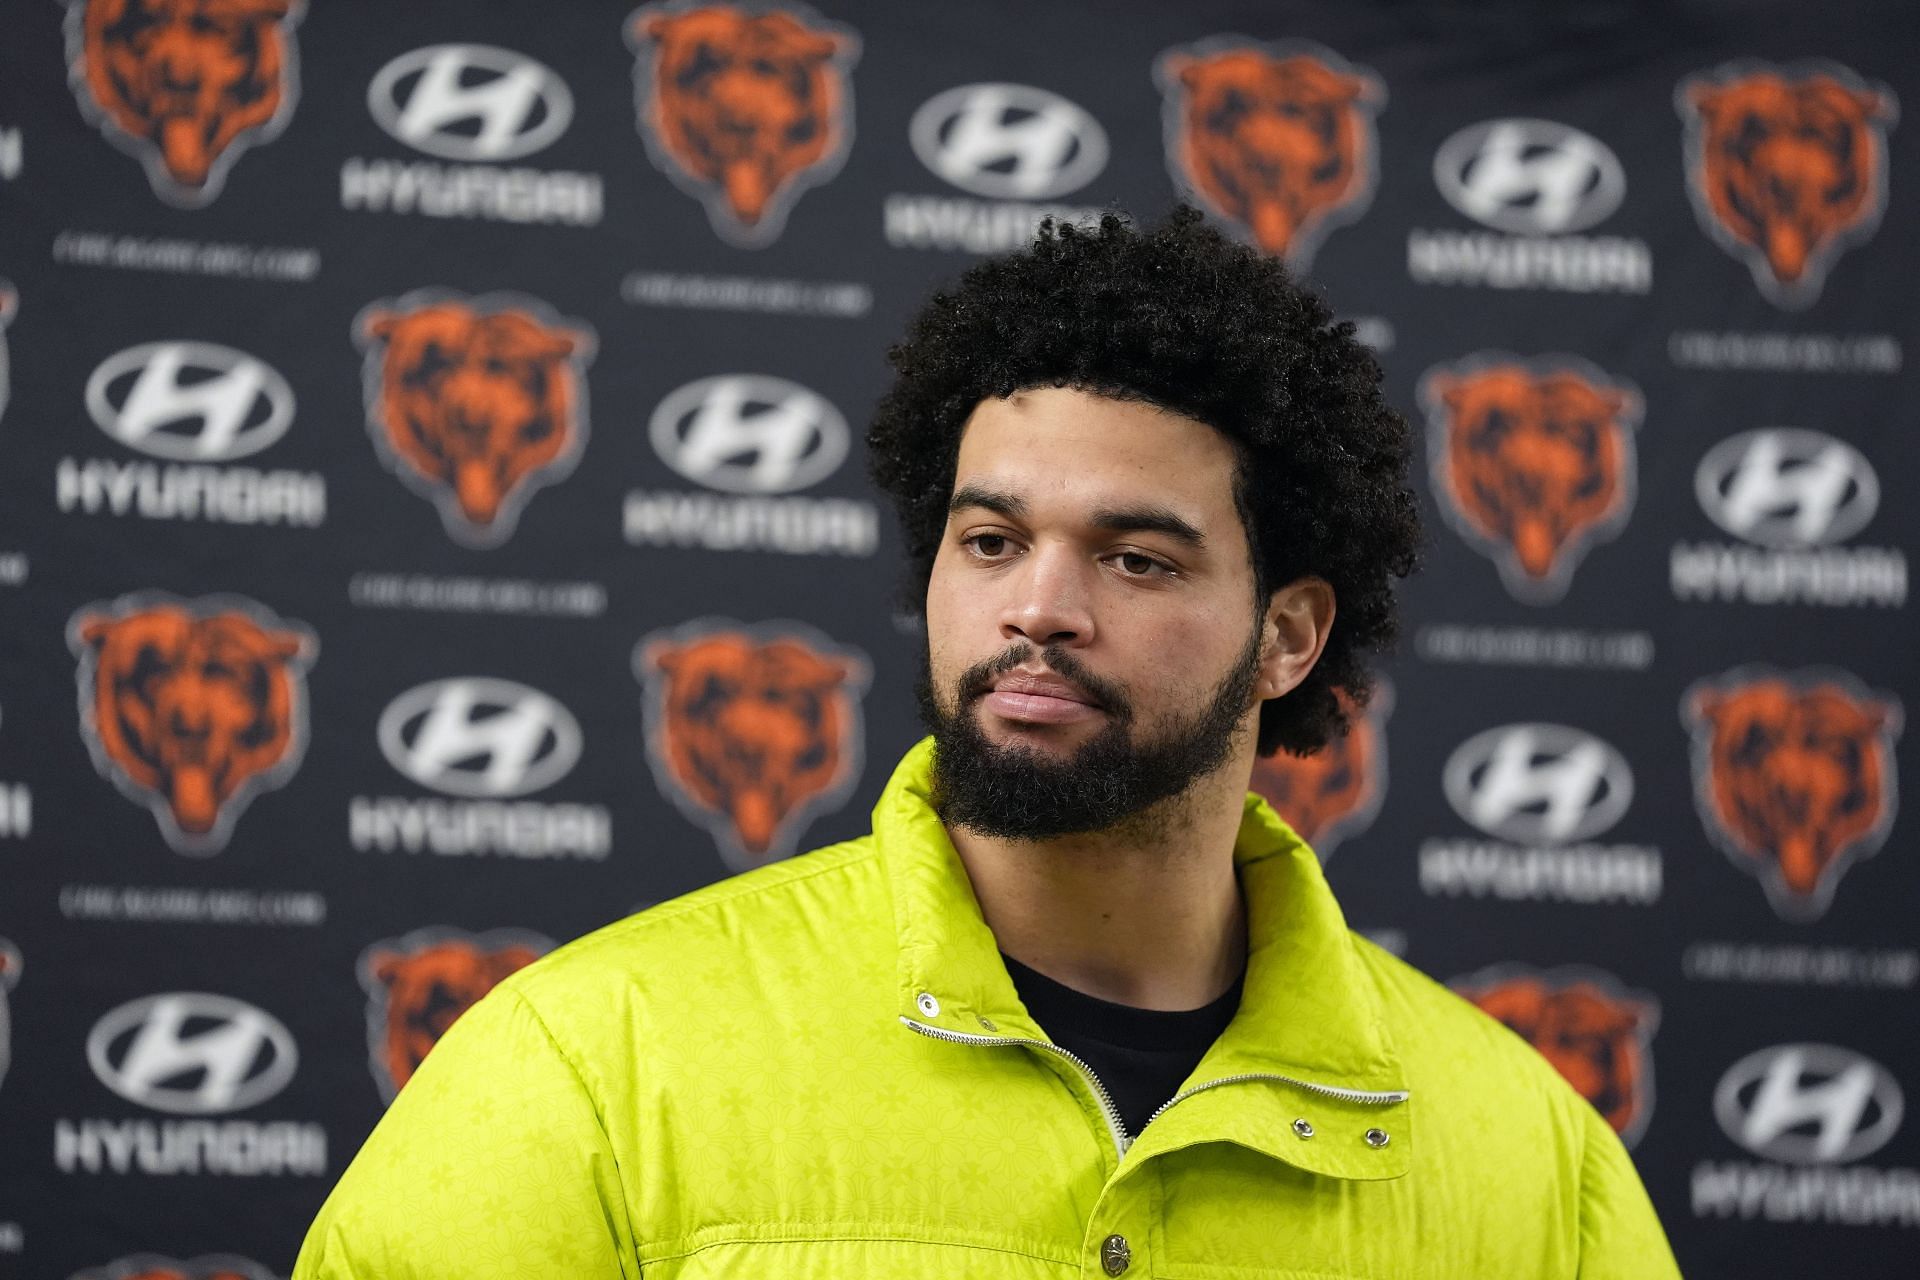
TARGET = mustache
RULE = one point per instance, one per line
(978, 679)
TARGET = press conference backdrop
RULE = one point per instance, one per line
(433, 525)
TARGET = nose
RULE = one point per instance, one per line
(1049, 599)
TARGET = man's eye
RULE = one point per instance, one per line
(989, 545)
(1136, 565)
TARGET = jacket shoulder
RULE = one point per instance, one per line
(748, 953)
(1448, 1043)
(772, 897)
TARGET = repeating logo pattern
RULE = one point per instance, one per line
(1337, 791)
(744, 106)
(752, 731)
(1595, 1032)
(475, 403)
(1794, 776)
(1532, 462)
(192, 707)
(186, 86)
(1276, 139)
(417, 985)
(1787, 167)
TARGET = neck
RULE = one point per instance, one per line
(1148, 914)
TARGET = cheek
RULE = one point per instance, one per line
(951, 609)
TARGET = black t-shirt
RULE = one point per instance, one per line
(1141, 1055)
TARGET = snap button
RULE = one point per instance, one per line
(928, 1005)
(1376, 1137)
(1115, 1256)
(1303, 1127)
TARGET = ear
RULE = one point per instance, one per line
(1705, 98)
(378, 325)
(1294, 630)
(385, 966)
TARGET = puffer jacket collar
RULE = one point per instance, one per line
(1307, 1044)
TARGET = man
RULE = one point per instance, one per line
(1079, 1005)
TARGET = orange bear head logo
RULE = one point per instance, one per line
(743, 107)
(192, 707)
(417, 985)
(1595, 1033)
(752, 731)
(1335, 792)
(184, 85)
(153, 1266)
(1786, 167)
(1794, 777)
(1277, 139)
(475, 403)
(1532, 461)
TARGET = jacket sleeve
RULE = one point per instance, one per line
(492, 1161)
(1620, 1235)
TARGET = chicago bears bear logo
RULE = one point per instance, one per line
(1595, 1033)
(1532, 462)
(1794, 777)
(184, 85)
(192, 707)
(1277, 139)
(153, 1266)
(475, 403)
(1787, 166)
(417, 985)
(743, 106)
(752, 731)
(1335, 792)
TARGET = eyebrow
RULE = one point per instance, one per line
(1151, 520)
(974, 495)
(1113, 519)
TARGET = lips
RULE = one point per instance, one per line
(1031, 698)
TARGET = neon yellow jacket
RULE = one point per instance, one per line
(821, 1069)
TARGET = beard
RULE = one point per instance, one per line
(1014, 792)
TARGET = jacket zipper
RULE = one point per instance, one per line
(1381, 1097)
(1370, 1097)
(1115, 1125)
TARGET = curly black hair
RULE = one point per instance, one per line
(1181, 317)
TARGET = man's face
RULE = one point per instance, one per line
(1092, 646)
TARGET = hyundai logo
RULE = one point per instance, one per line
(1008, 141)
(748, 433)
(474, 736)
(470, 102)
(189, 401)
(1529, 177)
(1538, 784)
(192, 1053)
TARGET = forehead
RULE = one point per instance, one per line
(1059, 444)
